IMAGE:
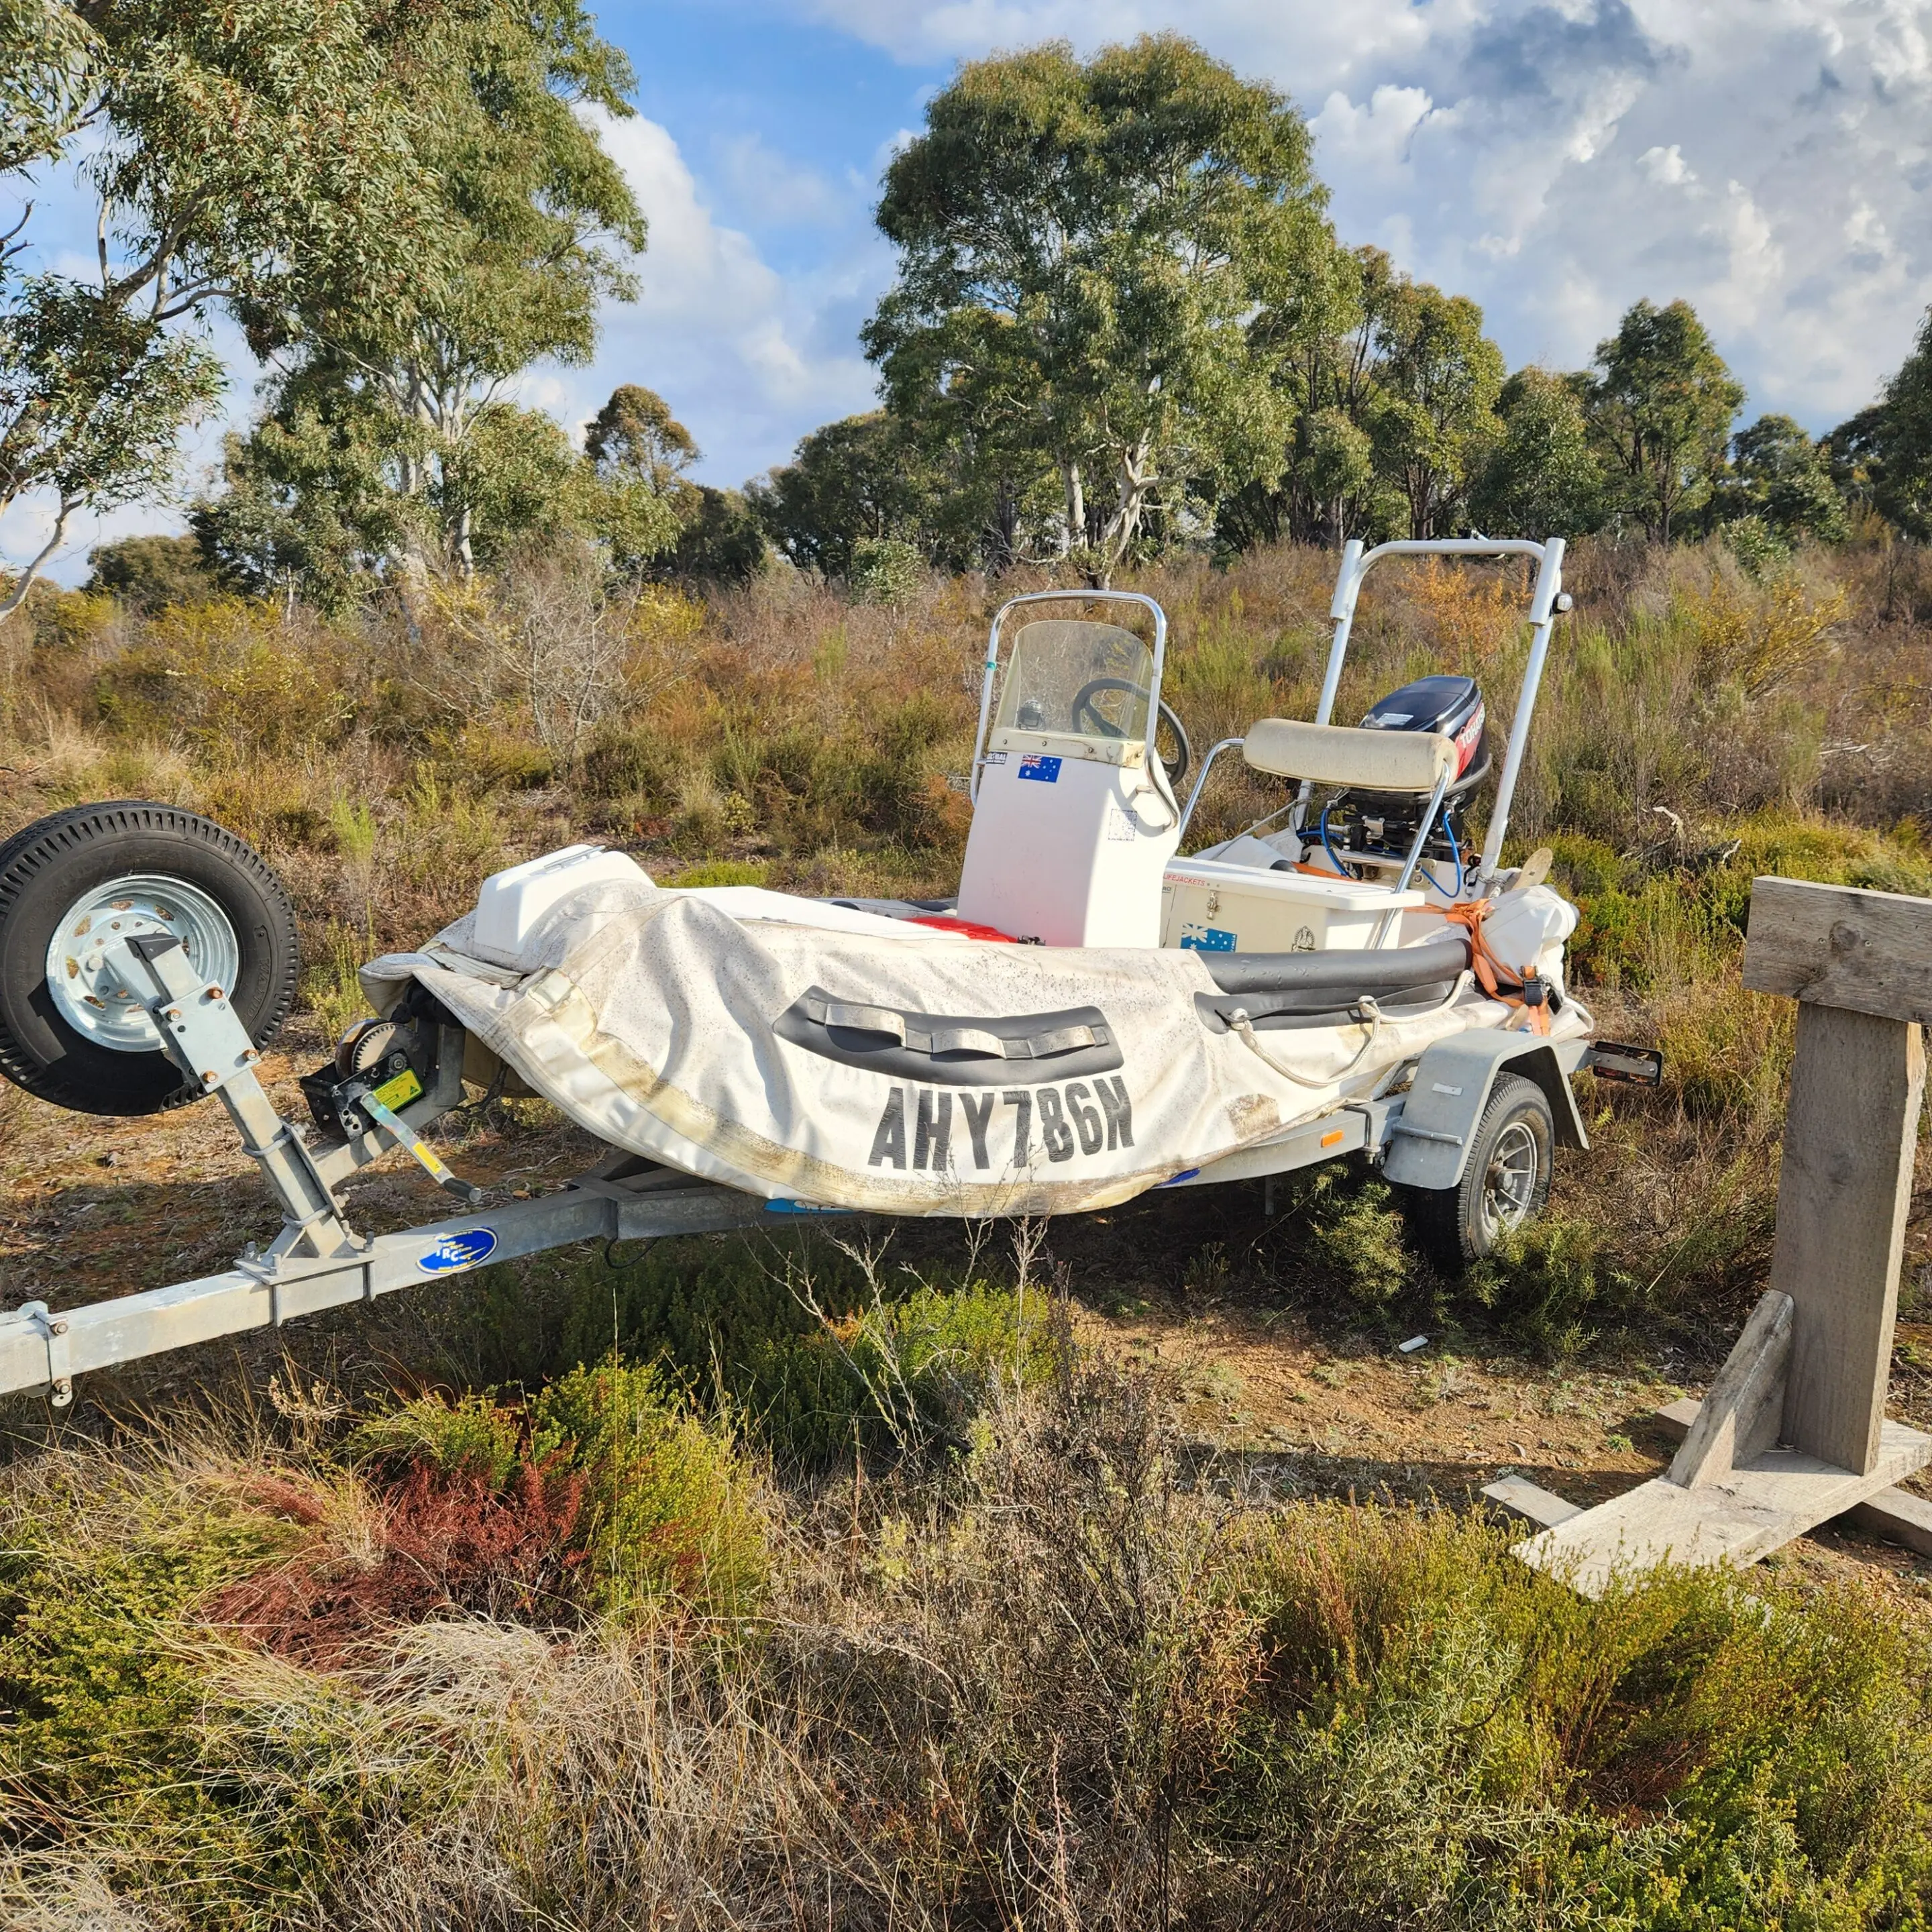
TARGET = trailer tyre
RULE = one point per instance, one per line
(66, 1034)
(1505, 1183)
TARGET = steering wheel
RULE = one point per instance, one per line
(1100, 727)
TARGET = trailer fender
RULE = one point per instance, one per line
(1429, 1140)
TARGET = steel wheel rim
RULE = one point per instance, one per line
(1509, 1186)
(90, 996)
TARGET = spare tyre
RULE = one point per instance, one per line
(70, 1032)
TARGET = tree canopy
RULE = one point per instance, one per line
(1883, 456)
(1084, 248)
(423, 456)
(1661, 408)
(269, 158)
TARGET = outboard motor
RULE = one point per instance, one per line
(1363, 833)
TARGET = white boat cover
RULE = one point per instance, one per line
(906, 1072)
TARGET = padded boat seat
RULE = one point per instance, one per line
(1344, 754)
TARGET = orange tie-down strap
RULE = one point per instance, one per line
(1499, 979)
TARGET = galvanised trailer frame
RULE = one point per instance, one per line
(1421, 1136)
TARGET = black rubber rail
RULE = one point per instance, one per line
(1371, 970)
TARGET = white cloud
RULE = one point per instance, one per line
(1665, 166)
(1768, 160)
(750, 359)
(758, 177)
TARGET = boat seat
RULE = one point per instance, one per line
(1343, 755)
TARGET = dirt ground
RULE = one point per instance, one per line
(1293, 1400)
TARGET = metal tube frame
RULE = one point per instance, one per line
(1546, 601)
(1063, 597)
(1200, 781)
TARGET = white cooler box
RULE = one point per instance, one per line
(1211, 907)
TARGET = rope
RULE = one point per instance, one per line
(1371, 1016)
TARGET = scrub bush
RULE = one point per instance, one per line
(815, 1347)
(135, 1741)
(446, 1540)
(669, 1515)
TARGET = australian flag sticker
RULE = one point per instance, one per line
(1045, 769)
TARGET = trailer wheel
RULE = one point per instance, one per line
(69, 1031)
(1505, 1183)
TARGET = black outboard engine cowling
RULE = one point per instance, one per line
(1452, 706)
(1367, 834)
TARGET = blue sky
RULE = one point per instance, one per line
(1769, 159)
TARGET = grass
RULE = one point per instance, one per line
(804, 1581)
(1047, 1678)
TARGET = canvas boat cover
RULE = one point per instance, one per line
(863, 1063)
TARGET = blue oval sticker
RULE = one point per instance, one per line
(460, 1250)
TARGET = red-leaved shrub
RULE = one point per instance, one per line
(450, 1539)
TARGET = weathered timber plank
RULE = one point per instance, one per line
(1839, 945)
(1844, 1184)
(1674, 1418)
(1518, 1496)
(1739, 1417)
(1780, 1495)
(1899, 1517)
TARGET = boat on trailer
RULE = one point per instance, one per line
(1092, 1017)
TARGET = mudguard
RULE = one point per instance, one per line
(1430, 1143)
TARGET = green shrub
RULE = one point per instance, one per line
(810, 1347)
(1446, 1738)
(127, 1740)
(474, 1435)
(668, 1514)
(1549, 1280)
(884, 570)
(1341, 1221)
(640, 763)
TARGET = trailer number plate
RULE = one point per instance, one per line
(400, 1091)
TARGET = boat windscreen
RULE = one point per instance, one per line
(1077, 679)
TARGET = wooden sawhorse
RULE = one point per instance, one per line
(1792, 1432)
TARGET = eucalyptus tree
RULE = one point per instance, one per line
(1660, 407)
(1778, 475)
(1541, 478)
(640, 454)
(858, 480)
(1432, 418)
(1085, 249)
(535, 222)
(1883, 455)
(1390, 387)
(264, 157)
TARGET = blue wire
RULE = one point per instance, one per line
(1333, 860)
(1456, 852)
